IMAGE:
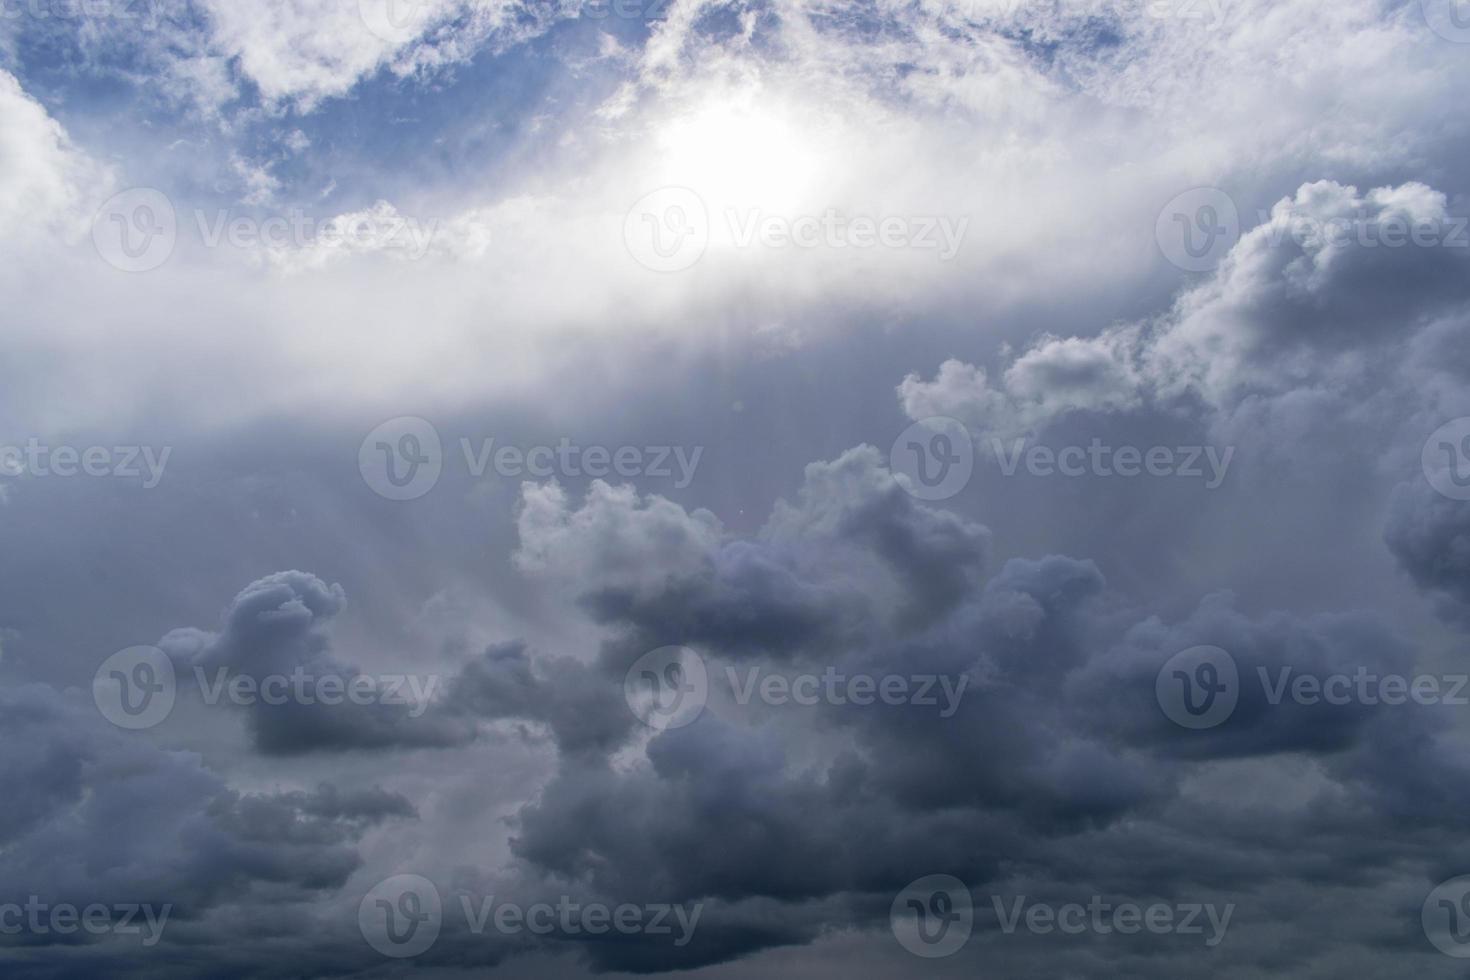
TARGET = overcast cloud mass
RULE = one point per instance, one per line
(734, 489)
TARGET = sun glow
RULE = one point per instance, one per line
(741, 156)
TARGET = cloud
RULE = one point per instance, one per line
(110, 819)
(49, 179)
(277, 628)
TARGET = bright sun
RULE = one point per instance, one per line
(740, 156)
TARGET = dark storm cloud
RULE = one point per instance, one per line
(108, 817)
(1429, 535)
(583, 711)
(804, 584)
(277, 628)
(1060, 737)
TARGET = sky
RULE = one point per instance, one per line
(740, 489)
